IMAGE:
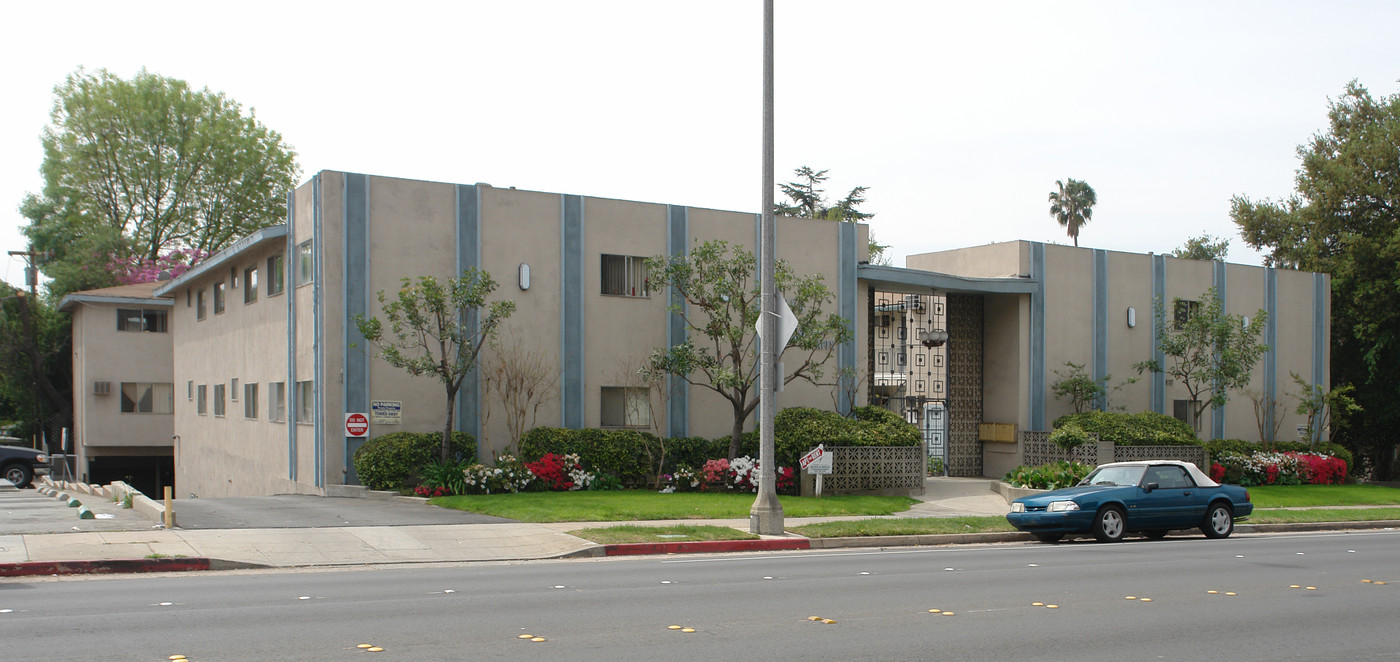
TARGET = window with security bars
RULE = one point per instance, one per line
(144, 398)
(625, 275)
(625, 407)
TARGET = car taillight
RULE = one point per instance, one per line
(1246, 496)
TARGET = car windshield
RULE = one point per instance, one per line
(1114, 476)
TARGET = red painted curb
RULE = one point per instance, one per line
(632, 548)
(102, 567)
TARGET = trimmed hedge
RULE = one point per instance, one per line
(630, 455)
(393, 461)
(1141, 429)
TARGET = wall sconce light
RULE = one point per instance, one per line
(934, 338)
(1132, 317)
(524, 276)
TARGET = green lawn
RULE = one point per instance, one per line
(903, 527)
(641, 505)
(1311, 496)
(640, 533)
(1323, 515)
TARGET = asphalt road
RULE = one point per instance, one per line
(756, 606)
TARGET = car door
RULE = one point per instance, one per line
(1169, 501)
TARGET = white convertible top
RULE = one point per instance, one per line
(1196, 474)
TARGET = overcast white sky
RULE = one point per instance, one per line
(960, 116)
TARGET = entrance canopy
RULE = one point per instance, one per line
(914, 281)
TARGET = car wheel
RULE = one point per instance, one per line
(1155, 534)
(1110, 524)
(19, 474)
(1049, 537)
(1219, 522)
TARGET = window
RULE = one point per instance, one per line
(188, 298)
(250, 395)
(305, 404)
(1184, 411)
(277, 401)
(250, 285)
(136, 319)
(1182, 312)
(202, 406)
(305, 264)
(189, 389)
(233, 390)
(233, 277)
(276, 275)
(219, 399)
(1169, 477)
(218, 297)
(625, 275)
(626, 407)
(144, 398)
(199, 305)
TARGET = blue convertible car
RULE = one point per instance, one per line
(1151, 497)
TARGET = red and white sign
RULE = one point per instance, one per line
(818, 461)
(356, 425)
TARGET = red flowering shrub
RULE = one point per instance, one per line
(549, 469)
(1321, 469)
(785, 477)
(1217, 472)
(432, 491)
(715, 474)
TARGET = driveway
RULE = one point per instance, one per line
(28, 512)
(296, 511)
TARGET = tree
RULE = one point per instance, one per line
(1210, 352)
(142, 167)
(1084, 392)
(720, 291)
(806, 199)
(35, 362)
(1204, 247)
(1323, 408)
(431, 332)
(1344, 220)
(523, 379)
(1073, 205)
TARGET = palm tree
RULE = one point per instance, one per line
(1073, 205)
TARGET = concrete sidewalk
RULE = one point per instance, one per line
(47, 553)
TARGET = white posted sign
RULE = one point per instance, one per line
(818, 461)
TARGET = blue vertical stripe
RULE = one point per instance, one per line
(318, 369)
(847, 283)
(1037, 376)
(678, 406)
(572, 397)
(468, 215)
(1101, 324)
(1319, 338)
(1222, 287)
(354, 353)
(291, 377)
(1158, 390)
(1271, 338)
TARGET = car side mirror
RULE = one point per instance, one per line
(1151, 486)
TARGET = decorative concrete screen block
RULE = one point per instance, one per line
(1193, 454)
(1036, 450)
(883, 470)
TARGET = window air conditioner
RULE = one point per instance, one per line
(102, 388)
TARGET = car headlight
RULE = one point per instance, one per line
(41, 458)
(1018, 507)
(1062, 506)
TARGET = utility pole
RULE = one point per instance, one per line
(31, 272)
(766, 516)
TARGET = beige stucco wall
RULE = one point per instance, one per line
(1006, 259)
(102, 353)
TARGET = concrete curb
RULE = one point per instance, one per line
(119, 566)
(1317, 526)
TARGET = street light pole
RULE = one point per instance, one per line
(766, 516)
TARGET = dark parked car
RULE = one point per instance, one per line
(1149, 497)
(19, 465)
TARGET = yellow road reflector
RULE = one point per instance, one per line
(1144, 599)
(526, 636)
(1037, 604)
(673, 627)
(1312, 588)
(814, 618)
(1379, 583)
(688, 630)
(537, 639)
(1230, 593)
(1130, 597)
(935, 611)
(375, 649)
(1052, 606)
(176, 657)
(828, 621)
(1213, 592)
(1365, 581)
(1294, 586)
(947, 613)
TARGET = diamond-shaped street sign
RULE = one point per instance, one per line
(787, 323)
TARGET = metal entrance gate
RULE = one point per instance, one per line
(925, 363)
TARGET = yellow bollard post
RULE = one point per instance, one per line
(169, 507)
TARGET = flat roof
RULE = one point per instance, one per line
(219, 259)
(914, 281)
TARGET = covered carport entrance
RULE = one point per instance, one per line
(928, 354)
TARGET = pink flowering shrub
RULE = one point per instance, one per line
(135, 269)
(715, 475)
(1290, 468)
